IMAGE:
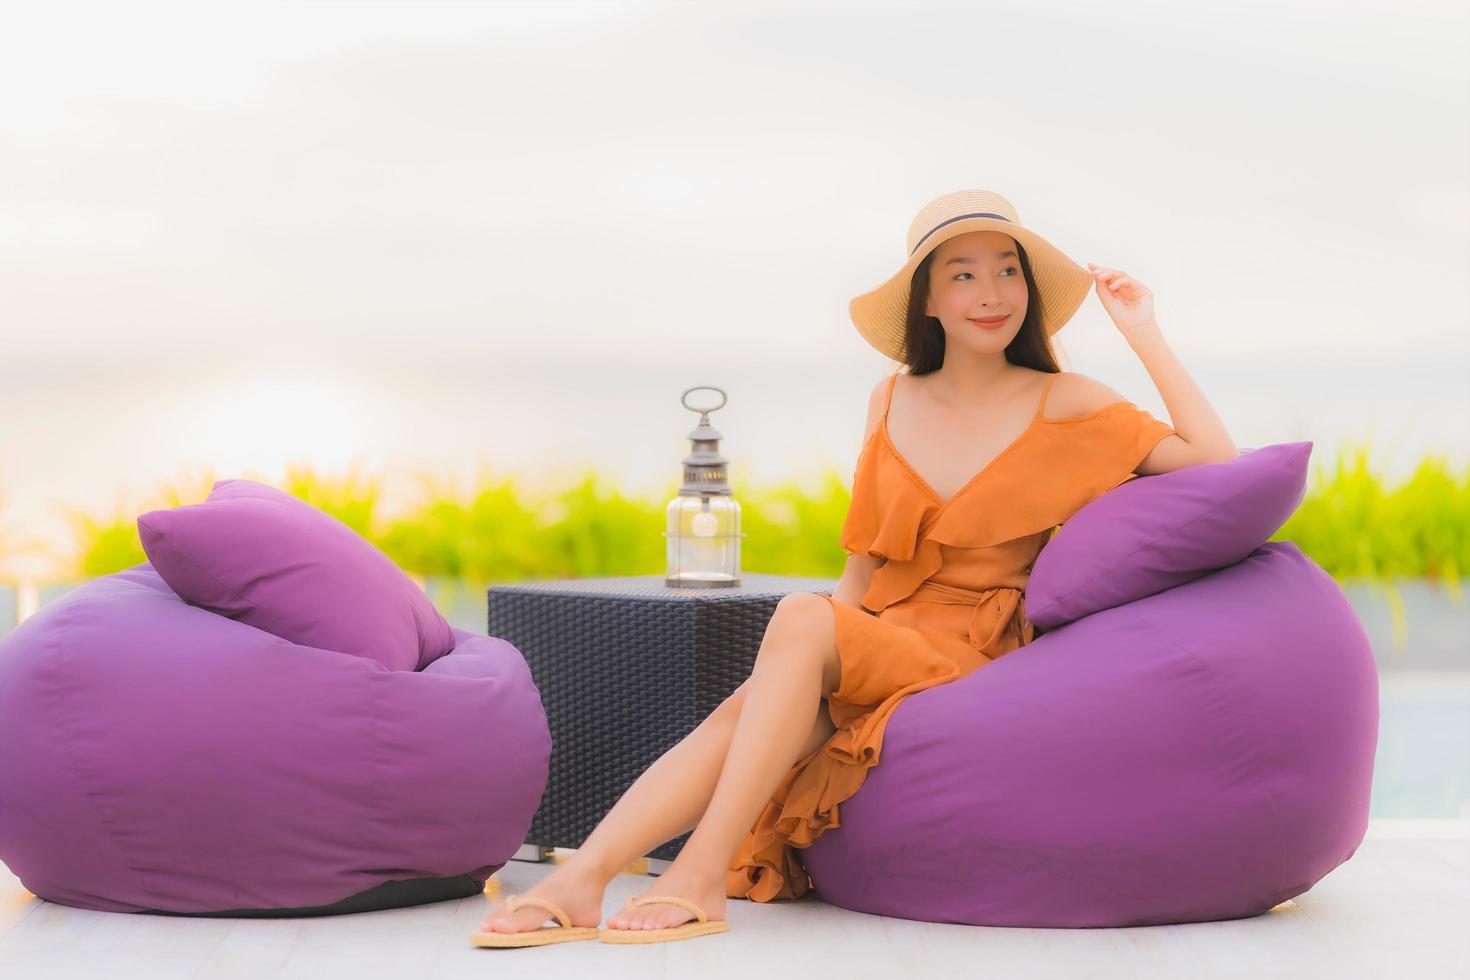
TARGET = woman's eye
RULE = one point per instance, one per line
(1009, 268)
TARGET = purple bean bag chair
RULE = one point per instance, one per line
(160, 756)
(1190, 736)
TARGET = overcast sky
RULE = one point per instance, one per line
(666, 180)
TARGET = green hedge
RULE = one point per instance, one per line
(1351, 522)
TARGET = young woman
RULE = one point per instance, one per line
(970, 460)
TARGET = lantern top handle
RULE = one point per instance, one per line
(704, 411)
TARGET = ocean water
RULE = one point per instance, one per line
(1422, 767)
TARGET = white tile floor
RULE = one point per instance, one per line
(1397, 909)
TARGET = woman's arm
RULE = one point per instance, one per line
(1190, 412)
(856, 576)
(1201, 435)
(858, 571)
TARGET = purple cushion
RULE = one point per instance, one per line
(1156, 532)
(1204, 753)
(156, 756)
(263, 557)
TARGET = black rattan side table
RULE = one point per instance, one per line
(626, 668)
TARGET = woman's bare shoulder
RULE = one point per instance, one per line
(875, 406)
(1074, 393)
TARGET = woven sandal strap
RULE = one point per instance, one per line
(672, 900)
(515, 902)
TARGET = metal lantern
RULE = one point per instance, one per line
(703, 536)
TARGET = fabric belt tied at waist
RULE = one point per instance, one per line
(1002, 599)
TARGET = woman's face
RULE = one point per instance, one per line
(977, 276)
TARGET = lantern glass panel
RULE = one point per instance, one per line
(703, 540)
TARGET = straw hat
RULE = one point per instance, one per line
(1062, 284)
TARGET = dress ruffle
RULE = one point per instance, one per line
(1059, 466)
(885, 515)
(803, 807)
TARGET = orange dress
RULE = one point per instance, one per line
(948, 598)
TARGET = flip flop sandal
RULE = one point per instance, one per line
(563, 933)
(702, 926)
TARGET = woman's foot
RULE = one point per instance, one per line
(705, 891)
(576, 891)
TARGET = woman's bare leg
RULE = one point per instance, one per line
(672, 795)
(666, 800)
(796, 668)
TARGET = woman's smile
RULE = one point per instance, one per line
(990, 323)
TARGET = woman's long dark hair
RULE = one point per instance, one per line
(923, 339)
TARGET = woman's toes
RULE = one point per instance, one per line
(506, 921)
